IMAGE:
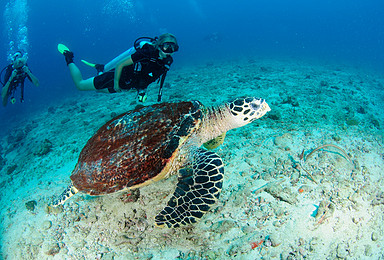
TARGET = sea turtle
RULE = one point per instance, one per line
(153, 142)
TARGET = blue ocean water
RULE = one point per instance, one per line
(343, 31)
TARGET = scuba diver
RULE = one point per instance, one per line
(15, 74)
(147, 61)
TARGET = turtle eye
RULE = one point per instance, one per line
(257, 103)
(255, 106)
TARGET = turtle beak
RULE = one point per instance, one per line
(259, 107)
(246, 110)
(264, 106)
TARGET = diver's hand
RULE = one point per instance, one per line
(14, 73)
(26, 69)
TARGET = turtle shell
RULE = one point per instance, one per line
(134, 147)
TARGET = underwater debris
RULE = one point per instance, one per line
(52, 249)
(130, 196)
(256, 244)
(342, 250)
(275, 189)
(343, 153)
(378, 199)
(323, 212)
(47, 224)
(44, 148)
(31, 205)
(304, 157)
(268, 185)
(10, 169)
(374, 236)
(304, 188)
(283, 194)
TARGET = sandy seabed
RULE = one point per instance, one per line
(279, 200)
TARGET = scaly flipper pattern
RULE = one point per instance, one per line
(197, 190)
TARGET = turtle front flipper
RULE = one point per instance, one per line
(69, 192)
(197, 190)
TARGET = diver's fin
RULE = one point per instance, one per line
(98, 67)
(93, 65)
(214, 143)
(62, 48)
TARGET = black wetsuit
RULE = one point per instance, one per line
(18, 80)
(146, 68)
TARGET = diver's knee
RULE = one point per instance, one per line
(80, 86)
(85, 85)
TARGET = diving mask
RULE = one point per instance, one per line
(169, 47)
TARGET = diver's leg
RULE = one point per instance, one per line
(80, 83)
(22, 91)
(77, 78)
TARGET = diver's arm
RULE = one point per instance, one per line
(33, 78)
(6, 86)
(118, 70)
(4, 91)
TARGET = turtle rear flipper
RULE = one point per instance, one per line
(69, 192)
(197, 190)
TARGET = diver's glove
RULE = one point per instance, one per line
(68, 57)
(99, 68)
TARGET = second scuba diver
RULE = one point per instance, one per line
(149, 61)
(15, 74)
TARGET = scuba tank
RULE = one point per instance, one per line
(136, 45)
(112, 64)
(1, 76)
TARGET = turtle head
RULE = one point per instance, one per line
(245, 110)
